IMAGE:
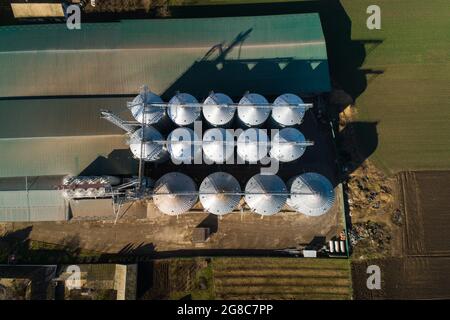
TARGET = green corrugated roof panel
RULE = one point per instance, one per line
(22, 118)
(66, 155)
(36, 205)
(271, 55)
(172, 33)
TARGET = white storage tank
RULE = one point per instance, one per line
(311, 194)
(342, 246)
(142, 111)
(284, 113)
(69, 193)
(336, 246)
(80, 193)
(179, 110)
(218, 110)
(91, 192)
(253, 110)
(219, 193)
(175, 193)
(184, 145)
(287, 145)
(101, 192)
(265, 194)
(146, 143)
(218, 145)
(253, 145)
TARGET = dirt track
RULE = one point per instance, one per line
(160, 232)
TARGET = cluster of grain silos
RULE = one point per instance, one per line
(217, 145)
(219, 110)
(250, 130)
(220, 193)
(79, 187)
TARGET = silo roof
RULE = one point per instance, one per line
(181, 115)
(168, 55)
(175, 193)
(312, 194)
(218, 145)
(265, 194)
(217, 109)
(282, 150)
(216, 193)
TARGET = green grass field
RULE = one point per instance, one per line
(411, 98)
(251, 278)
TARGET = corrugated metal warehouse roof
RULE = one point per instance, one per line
(27, 199)
(61, 136)
(168, 55)
(64, 134)
(66, 155)
(30, 183)
(33, 205)
(21, 118)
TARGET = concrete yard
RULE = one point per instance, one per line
(160, 232)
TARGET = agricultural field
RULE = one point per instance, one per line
(281, 278)
(174, 279)
(406, 89)
(397, 77)
(426, 208)
(404, 278)
(420, 270)
(251, 278)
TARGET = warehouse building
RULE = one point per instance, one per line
(24, 199)
(50, 123)
(116, 58)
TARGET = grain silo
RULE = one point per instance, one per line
(253, 110)
(287, 144)
(220, 193)
(218, 145)
(252, 145)
(183, 109)
(218, 110)
(311, 194)
(175, 193)
(265, 194)
(286, 110)
(143, 112)
(183, 145)
(146, 143)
